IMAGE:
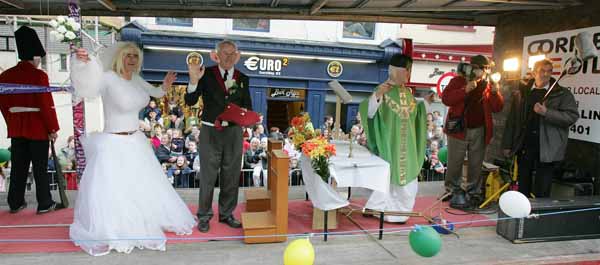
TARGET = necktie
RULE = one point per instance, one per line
(225, 76)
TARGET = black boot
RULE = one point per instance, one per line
(458, 200)
(475, 200)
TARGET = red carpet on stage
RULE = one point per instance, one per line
(56, 239)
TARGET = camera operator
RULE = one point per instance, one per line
(471, 99)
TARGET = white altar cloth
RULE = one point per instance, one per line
(363, 170)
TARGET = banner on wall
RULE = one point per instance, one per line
(584, 84)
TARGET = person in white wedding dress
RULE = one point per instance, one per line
(125, 199)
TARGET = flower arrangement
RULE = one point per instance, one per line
(319, 150)
(301, 130)
(65, 29)
(231, 85)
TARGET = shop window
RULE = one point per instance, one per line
(359, 30)
(63, 62)
(251, 24)
(452, 28)
(175, 21)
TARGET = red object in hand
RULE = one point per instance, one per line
(233, 113)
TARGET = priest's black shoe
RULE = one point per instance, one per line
(23, 206)
(231, 222)
(203, 226)
(49, 209)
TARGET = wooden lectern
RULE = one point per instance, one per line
(273, 222)
(258, 199)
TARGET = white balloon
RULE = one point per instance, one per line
(515, 204)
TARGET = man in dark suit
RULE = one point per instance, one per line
(31, 121)
(220, 151)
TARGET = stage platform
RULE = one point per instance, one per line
(476, 245)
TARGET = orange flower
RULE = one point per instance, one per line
(297, 121)
(330, 148)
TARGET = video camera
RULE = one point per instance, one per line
(466, 70)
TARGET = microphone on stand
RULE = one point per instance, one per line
(584, 45)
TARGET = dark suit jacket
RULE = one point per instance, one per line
(212, 89)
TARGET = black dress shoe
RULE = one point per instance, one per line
(203, 226)
(23, 206)
(458, 200)
(231, 222)
(47, 210)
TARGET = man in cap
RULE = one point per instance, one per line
(31, 121)
(396, 131)
(472, 98)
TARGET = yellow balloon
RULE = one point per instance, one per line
(299, 252)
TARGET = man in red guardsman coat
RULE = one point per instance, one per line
(31, 121)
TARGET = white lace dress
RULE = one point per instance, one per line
(124, 200)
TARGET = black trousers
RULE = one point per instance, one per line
(23, 153)
(220, 156)
(535, 177)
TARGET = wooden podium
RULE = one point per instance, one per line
(273, 221)
(258, 199)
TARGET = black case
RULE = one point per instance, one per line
(584, 224)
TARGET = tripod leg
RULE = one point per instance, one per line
(494, 195)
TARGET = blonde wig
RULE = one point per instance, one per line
(121, 51)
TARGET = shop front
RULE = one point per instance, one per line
(286, 77)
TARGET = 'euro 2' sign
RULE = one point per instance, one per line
(255, 63)
(558, 45)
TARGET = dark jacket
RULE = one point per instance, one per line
(254, 158)
(212, 89)
(554, 126)
(454, 97)
(163, 153)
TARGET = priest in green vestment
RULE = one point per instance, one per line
(396, 130)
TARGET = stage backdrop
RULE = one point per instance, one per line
(584, 84)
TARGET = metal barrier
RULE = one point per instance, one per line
(190, 180)
(430, 175)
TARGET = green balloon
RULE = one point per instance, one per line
(443, 154)
(425, 241)
(4, 155)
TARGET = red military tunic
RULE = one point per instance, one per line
(30, 125)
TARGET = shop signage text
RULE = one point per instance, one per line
(266, 66)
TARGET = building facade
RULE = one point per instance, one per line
(285, 57)
(286, 77)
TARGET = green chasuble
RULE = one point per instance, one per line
(397, 133)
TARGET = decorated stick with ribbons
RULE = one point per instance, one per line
(78, 104)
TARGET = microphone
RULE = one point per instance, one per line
(585, 49)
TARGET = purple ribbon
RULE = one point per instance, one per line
(11, 89)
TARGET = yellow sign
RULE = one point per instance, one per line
(194, 58)
(335, 69)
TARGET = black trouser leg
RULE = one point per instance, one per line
(19, 160)
(543, 179)
(39, 159)
(526, 167)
